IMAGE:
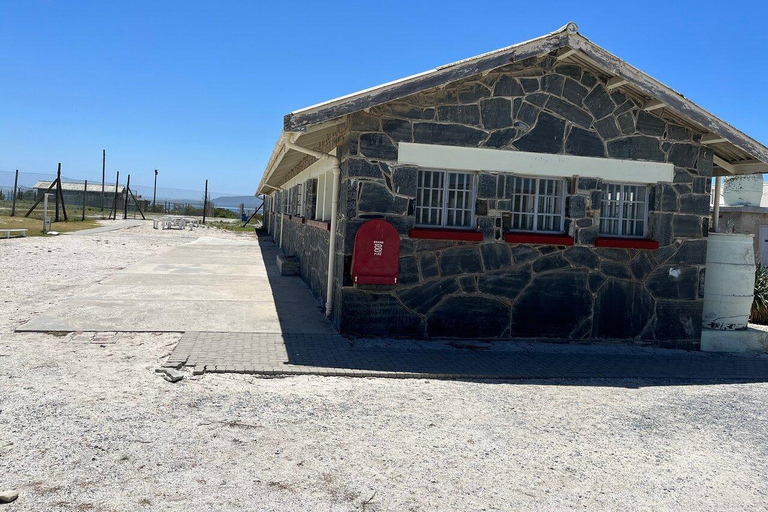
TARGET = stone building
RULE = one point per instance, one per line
(546, 190)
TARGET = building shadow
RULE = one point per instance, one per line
(313, 346)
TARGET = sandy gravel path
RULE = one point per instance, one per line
(86, 427)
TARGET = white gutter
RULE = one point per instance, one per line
(288, 142)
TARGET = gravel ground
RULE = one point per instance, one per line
(87, 427)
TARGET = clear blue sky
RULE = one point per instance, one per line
(199, 89)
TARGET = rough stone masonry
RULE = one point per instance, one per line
(494, 289)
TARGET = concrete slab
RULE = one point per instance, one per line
(112, 226)
(193, 288)
(749, 340)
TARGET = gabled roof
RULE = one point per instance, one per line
(735, 152)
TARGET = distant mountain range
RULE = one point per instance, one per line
(234, 201)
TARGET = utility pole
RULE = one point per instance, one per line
(205, 200)
(103, 174)
(154, 194)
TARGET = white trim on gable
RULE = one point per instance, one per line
(532, 164)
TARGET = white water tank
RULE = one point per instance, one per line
(729, 283)
(743, 190)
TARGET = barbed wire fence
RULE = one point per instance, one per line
(93, 199)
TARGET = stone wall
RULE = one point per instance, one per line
(497, 290)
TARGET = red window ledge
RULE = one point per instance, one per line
(627, 243)
(538, 238)
(320, 224)
(446, 234)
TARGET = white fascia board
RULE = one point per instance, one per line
(535, 164)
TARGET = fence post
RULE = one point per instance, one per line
(15, 190)
(85, 195)
(58, 190)
(125, 197)
(103, 174)
(205, 200)
(114, 202)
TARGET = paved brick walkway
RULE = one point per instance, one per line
(327, 354)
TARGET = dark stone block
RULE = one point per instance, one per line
(553, 305)
(678, 320)
(375, 314)
(428, 264)
(599, 102)
(468, 317)
(496, 256)
(588, 79)
(460, 260)
(473, 91)
(667, 198)
(424, 297)
(622, 310)
(675, 132)
(694, 203)
(550, 262)
(501, 138)
(398, 129)
(584, 223)
(661, 225)
(691, 252)
(409, 270)
(481, 207)
(617, 255)
(377, 145)
(700, 185)
(607, 128)
(463, 114)
(539, 99)
(642, 265)
(686, 226)
(552, 84)
(570, 70)
(636, 148)
(576, 206)
(507, 86)
(626, 123)
(360, 122)
(683, 155)
(359, 168)
(587, 236)
(582, 257)
(496, 113)
(596, 280)
(584, 143)
(507, 284)
(524, 253)
(650, 124)
(447, 134)
(547, 249)
(682, 176)
(596, 199)
(587, 183)
(673, 282)
(405, 180)
(574, 91)
(402, 223)
(617, 270)
(570, 112)
(486, 186)
(682, 188)
(527, 114)
(434, 245)
(376, 198)
(705, 162)
(468, 284)
(545, 137)
(530, 84)
(405, 110)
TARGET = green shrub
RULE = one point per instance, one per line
(759, 314)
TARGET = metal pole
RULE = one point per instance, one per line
(114, 202)
(125, 197)
(205, 200)
(103, 174)
(154, 193)
(15, 190)
(85, 194)
(58, 190)
(716, 207)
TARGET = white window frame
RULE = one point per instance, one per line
(536, 213)
(620, 218)
(299, 207)
(444, 203)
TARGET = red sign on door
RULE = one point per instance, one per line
(376, 257)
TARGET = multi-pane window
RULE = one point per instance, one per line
(538, 204)
(299, 200)
(445, 199)
(624, 210)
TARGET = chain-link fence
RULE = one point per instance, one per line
(22, 194)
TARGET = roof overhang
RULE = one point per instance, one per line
(735, 152)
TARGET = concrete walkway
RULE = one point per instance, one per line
(211, 284)
(114, 225)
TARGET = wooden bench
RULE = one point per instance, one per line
(9, 231)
